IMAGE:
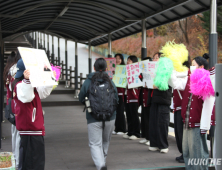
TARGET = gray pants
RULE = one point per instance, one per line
(99, 139)
(195, 149)
(15, 143)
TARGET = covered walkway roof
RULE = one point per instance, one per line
(87, 21)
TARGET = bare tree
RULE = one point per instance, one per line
(184, 29)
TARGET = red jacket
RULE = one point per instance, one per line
(132, 95)
(144, 97)
(177, 101)
(121, 92)
(9, 93)
(29, 116)
(195, 108)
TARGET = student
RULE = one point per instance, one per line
(99, 136)
(194, 118)
(131, 107)
(120, 124)
(178, 121)
(8, 77)
(156, 56)
(29, 119)
(144, 97)
(159, 118)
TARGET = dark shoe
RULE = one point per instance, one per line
(181, 160)
(178, 158)
(104, 168)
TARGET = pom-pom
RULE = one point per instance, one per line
(178, 53)
(57, 69)
(163, 73)
(200, 83)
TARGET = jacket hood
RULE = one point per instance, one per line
(90, 75)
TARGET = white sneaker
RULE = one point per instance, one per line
(143, 141)
(164, 150)
(120, 133)
(125, 136)
(153, 148)
(114, 133)
(133, 137)
(148, 143)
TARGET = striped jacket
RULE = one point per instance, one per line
(177, 99)
(132, 95)
(28, 108)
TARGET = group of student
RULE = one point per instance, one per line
(188, 110)
(29, 130)
(27, 134)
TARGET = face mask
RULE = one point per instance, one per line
(192, 68)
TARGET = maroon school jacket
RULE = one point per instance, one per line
(29, 116)
(195, 108)
(177, 101)
(144, 97)
(121, 92)
(9, 93)
(132, 95)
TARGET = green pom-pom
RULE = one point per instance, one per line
(163, 73)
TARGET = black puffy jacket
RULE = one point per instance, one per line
(162, 97)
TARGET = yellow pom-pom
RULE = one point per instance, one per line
(178, 53)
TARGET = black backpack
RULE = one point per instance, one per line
(102, 99)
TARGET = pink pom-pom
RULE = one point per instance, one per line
(200, 83)
(57, 69)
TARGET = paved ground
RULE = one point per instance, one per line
(66, 144)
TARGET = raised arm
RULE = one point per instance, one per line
(177, 81)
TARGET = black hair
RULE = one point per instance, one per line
(201, 62)
(121, 57)
(147, 58)
(187, 63)
(10, 62)
(100, 66)
(206, 56)
(158, 53)
(133, 58)
(15, 82)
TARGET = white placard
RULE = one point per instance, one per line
(40, 69)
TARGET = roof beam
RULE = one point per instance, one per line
(201, 4)
(58, 20)
(160, 11)
(60, 14)
(55, 1)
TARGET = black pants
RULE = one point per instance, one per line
(178, 129)
(31, 153)
(159, 122)
(120, 123)
(145, 116)
(133, 121)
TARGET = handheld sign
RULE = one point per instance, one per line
(111, 65)
(133, 71)
(40, 69)
(119, 78)
(148, 69)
